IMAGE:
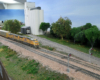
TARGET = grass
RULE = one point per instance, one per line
(82, 48)
(24, 69)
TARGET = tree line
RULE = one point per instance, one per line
(87, 34)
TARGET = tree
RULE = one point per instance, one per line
(74, 31)
(52, 33)
(62, 27)
(86, 26)
(44, 26)
(80, 37)
(6, 26)
(92, 34)
(99, 36)
(12, 25)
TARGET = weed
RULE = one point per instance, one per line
(1, 50)
(10, 54)
(31, 67)
(7, 59)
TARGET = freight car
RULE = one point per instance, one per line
(29, 41)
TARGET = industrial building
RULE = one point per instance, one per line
(33, 15)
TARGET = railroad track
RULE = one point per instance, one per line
(71, 59)
(94, 75)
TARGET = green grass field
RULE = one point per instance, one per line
(82, 48)
(23, 69)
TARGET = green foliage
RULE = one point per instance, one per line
(92, 34)
(12, 25)
(99, 36)
(31, 67)
(6, 26)
(86, 26)
(62, 27)
(44, 26)
(10, 53)
(74, 31)
(51, 31)
(80, 37)
(78, 34)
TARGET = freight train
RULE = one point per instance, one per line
(29, 41)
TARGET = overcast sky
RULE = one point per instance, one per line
(79, 12)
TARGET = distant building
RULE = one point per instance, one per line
(33, 17)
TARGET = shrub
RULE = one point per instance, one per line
(92, 34)
(62, 27)
(12, 25)
(44, 26)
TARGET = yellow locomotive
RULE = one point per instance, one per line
(23, 39)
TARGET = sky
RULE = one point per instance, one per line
(79, 12)
(7, 14)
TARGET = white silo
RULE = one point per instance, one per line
(33, 17)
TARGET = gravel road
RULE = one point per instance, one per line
(67, 49)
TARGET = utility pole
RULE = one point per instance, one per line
(68, 70)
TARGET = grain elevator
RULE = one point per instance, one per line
(33, 17)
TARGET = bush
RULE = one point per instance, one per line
(52, 33)
(13, 26)
(80, 37)
(62, 27)
(44, 26)
(92, 34)
(86, 26)
(74, 31)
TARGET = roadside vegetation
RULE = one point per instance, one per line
(26, 69)
(80, 38)
(47, 47)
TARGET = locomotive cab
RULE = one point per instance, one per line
(35, 43)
